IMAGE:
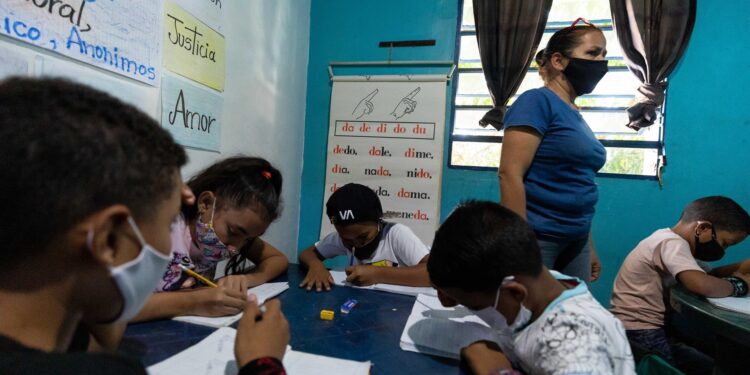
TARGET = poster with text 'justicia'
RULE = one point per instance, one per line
(386, 132)
(121, 36)
(192, 49)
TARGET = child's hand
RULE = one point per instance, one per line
(268, 337)
(483, 357)
(235, 282)
(317, 277)
(219, 301)
(362, 275)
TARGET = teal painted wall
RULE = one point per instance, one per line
(707, 127)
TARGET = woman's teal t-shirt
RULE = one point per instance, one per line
(560, 188)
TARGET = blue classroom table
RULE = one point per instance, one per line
(372, 331)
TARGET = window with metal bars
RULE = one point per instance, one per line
(630, 153)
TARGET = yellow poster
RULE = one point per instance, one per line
(192, 49)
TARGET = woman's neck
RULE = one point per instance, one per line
(563, 90)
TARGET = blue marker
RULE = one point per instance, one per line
(348, 306)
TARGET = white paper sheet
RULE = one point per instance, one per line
(339, 278)
(437, 330)
(214, 355)
(736, 304)
(262, 292)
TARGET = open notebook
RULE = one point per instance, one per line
(339, 278)
(441, 331)
(736, 304)
(214, 355)
(262, 292)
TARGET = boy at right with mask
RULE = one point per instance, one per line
(486, 258)
(706, 228)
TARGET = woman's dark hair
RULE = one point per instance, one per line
(563, 41)
(240, 181)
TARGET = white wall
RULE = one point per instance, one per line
(264, 98)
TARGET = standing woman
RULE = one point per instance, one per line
(550, 156)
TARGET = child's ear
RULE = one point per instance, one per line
(106, 233)
(702, 227)
(205, 201)
(516, 290)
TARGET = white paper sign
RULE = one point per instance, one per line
(191, 113)
(143, 97)
(211, 12)
(12, 63)
(122, 36)
(389, 136)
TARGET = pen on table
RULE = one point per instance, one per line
(198, 276)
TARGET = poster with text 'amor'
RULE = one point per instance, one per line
(192, 113)
(386, 132)
(121, 36)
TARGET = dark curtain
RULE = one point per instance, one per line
(508, 33)
(653, 35)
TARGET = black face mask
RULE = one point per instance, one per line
(584, 74)
(367, 250)
(708, 251)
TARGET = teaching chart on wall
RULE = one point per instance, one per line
(117, 35)
(192, 49)
(192, 113)
(388, 135)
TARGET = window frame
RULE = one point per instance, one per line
(657, 145)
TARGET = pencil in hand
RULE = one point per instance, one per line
(198, 276)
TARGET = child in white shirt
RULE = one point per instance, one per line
(378, 251)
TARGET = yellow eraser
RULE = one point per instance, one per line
(326, 314)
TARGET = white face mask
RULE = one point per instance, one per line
(497, 321)
(137, 278)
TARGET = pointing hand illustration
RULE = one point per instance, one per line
(406, 105)
(365, 106)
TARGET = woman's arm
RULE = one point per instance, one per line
(518, 150)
